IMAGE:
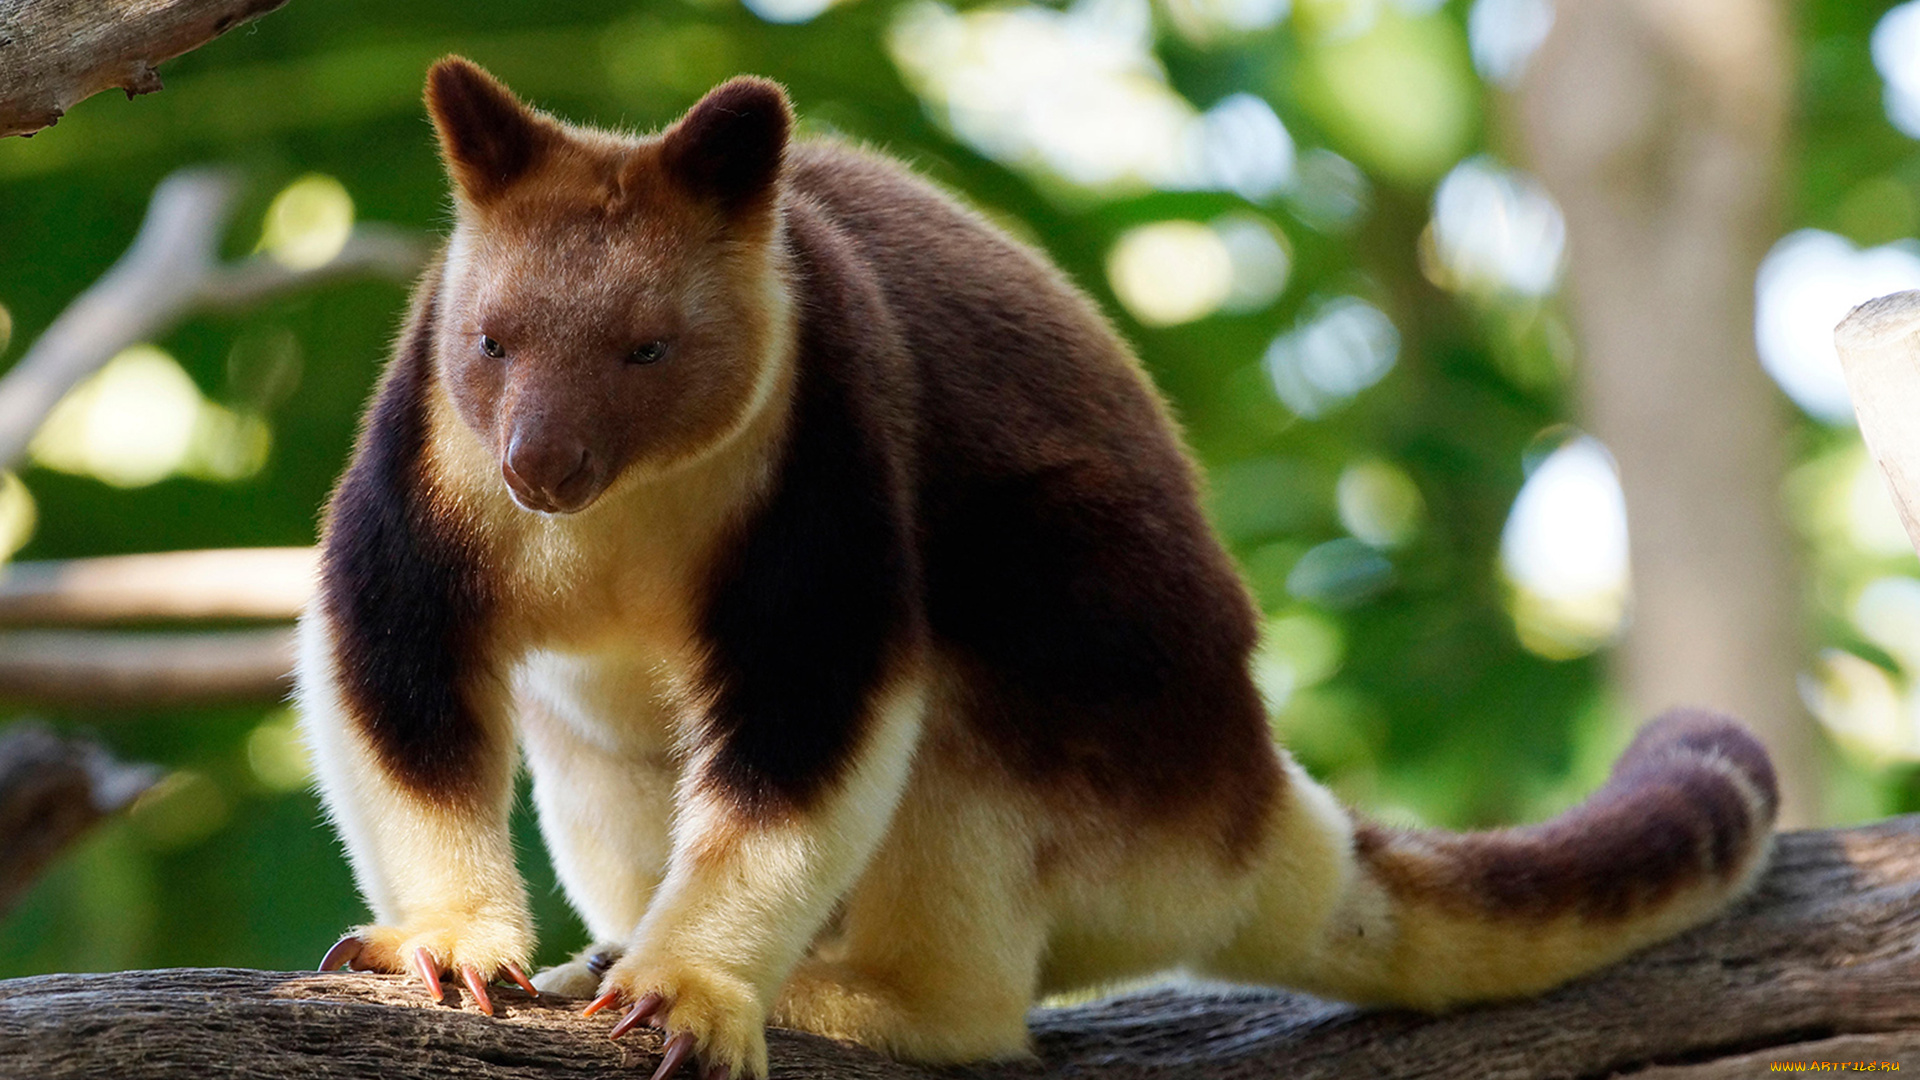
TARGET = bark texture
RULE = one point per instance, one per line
(56, 53)
(1821, 964)
(1658, 126)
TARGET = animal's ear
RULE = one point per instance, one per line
(729, 146)
(489, 138)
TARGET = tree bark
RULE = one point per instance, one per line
(1658, 126)
(1821, 964)
(56, 53)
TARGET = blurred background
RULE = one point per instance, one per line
(1502, 329)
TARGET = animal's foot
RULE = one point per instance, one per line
(710, 1016)
(479, 953)
(582, 975)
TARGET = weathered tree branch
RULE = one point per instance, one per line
(119, 670)
(1823, 963)
(53, 789)
(234, 583)
(57, 53)
(172, 269)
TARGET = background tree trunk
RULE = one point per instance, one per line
(1658, 126)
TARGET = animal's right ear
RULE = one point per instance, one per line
(489, 138)
(729, 146)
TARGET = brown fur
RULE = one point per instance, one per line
(847, 583)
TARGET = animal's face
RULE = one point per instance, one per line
(609, 305)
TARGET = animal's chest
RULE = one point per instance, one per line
(618, 701)
(608, 649)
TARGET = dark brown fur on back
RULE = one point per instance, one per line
(1102, 632)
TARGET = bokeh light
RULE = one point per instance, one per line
(1805, 286)
(1504, 34)
(1564, 551)
(1896, 53)
(308, 222)
(141, 419)
(1379, 503)
(1171, 272)
(19, 515)
(1496, 230)
(1338, 349)
(1079, 94)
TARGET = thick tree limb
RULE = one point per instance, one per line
(236, 583)
(120, 670)
(1823, 963)
(172, 269)
(53, 789)
(57, 53)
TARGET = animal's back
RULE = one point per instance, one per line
(1100, 631)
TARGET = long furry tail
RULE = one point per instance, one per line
(1428, 918)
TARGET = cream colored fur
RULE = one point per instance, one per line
(445, 881)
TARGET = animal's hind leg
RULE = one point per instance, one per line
(604, 817)
(941, 942)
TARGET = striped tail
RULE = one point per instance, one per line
(1428, 918)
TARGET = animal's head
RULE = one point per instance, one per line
(610, 303)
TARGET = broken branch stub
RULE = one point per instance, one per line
(1879, 345)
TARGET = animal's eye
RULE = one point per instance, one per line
(649, 353)
(491, 347)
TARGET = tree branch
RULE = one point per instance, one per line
(57, 53)
(1879, 345)
(52, 790)
(232, 583)
(120, 670)
(172, 268)
(1823, 963)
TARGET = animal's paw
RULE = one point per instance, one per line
(705, 1014)
(580, 976)
(478, 950)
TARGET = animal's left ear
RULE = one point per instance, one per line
(490, 139)
(729, 147)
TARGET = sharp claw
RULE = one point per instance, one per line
(611, 997)
(648, 1004)
(344, 952)
(514, 972)
(425, 966)
(678, 1049)
(477, 986)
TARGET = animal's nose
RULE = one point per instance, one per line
(550, 474)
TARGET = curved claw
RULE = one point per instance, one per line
(477, 986)
(678, 1049)
(611, 997)
(648, 1004)
(425, 966)
(344, 952)
(514, 972)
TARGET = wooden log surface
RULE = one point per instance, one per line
(56, 53)
(1822, 963)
